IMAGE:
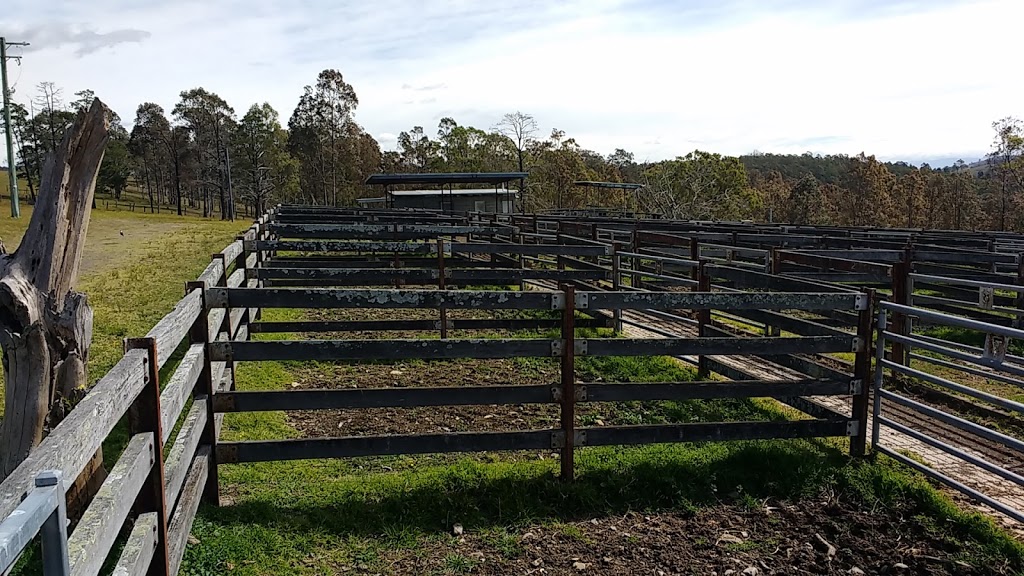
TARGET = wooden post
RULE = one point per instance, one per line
(144, 416)
(200, 333)
(703, 319)
(568, 400)
(901, 323)
(862, 373)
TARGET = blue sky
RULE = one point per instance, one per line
(920, 80)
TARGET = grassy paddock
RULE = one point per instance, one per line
(129, 296)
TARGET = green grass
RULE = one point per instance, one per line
(129, 297)
(969, 338)
(293, 511)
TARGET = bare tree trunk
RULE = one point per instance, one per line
(45, 327)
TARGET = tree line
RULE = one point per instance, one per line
(202, 157)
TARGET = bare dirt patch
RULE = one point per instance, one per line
(811, 538)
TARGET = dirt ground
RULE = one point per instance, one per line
(813, 538)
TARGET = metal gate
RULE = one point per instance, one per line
(955, 439)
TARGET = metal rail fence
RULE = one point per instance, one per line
(941, 354)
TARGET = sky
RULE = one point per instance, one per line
(912, 80)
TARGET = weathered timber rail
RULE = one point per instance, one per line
(779, 311)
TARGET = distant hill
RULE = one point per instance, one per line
(828, 169)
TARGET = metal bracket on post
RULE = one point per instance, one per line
(557, 346)
(858, 344)
(995, 347)
(986, 298)
(581, 393)
(558, 301)
(557, 439)
(856, 386)
(580, 347)
(852, 428)
(861, 302)
(216, 297)
(582, 301)
(579, 438)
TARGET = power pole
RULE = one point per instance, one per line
(11, 172)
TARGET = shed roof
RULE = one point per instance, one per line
(447, 178)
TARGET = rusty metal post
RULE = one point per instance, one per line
(695, 256)
(200, 333)
(862, 375)
(703, 320)
(397, 263)
(774, 267)
(900, 322)
(517, 239)
(441, 285)
(568, 400)
(494, 224)
(1018, 301)
(635, 263)
(144, 416)
(616, 286)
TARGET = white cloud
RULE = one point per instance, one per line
(909, 80)
(387, 140)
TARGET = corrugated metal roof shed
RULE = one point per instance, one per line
(447, 178)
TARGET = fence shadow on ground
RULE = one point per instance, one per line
(478, 495)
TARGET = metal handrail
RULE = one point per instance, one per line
(42, 513)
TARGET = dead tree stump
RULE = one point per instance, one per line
(45, 327)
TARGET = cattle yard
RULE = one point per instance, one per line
(900, 342)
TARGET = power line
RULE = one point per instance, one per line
(8, 129)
